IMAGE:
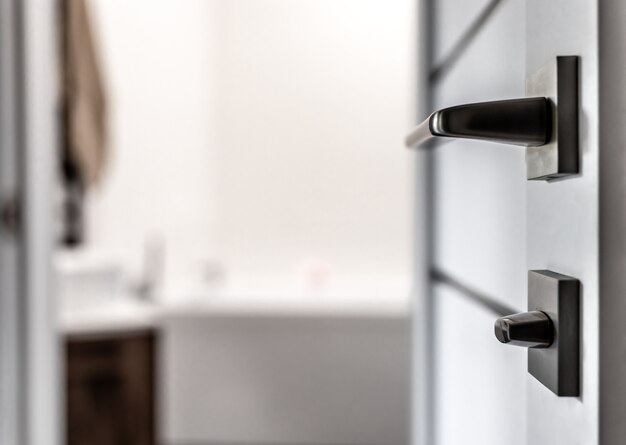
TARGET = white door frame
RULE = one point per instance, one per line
(10, 349)
(30, 409)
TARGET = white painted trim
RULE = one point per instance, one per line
(422, 400)
(9, 248)
(40, 152)
(34, 412)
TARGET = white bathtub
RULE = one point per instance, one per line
(290, 376)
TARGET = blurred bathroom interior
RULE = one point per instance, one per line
(234, 221)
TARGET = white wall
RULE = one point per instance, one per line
(157, 62)
(266, 134)
(314, 100)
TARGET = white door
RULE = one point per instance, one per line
(479, 231)
(562, 225)
(487, 226)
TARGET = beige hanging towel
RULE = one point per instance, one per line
(84, 96)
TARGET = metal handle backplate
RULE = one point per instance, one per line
(546, 122)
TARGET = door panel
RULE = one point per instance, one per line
(451, 21)
(491, 226)
(492, 64)
(562, 229)
(479, 193)
(480, 219)
(481, 385)
(480, 187)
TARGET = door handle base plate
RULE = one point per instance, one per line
(560, 157)
(557, 366)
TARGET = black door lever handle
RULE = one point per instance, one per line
(530, 329)
(545, 121)
(524, 122)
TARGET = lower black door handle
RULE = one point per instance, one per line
(550, 330)
(530, 329)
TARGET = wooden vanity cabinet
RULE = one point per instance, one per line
(110, 389)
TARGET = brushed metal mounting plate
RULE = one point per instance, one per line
(557, 366)
(558, 81)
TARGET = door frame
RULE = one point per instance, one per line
(423, 330)
(612, 230)
(30, 404)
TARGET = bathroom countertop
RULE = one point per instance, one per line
(110, 317)
(129, 314)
